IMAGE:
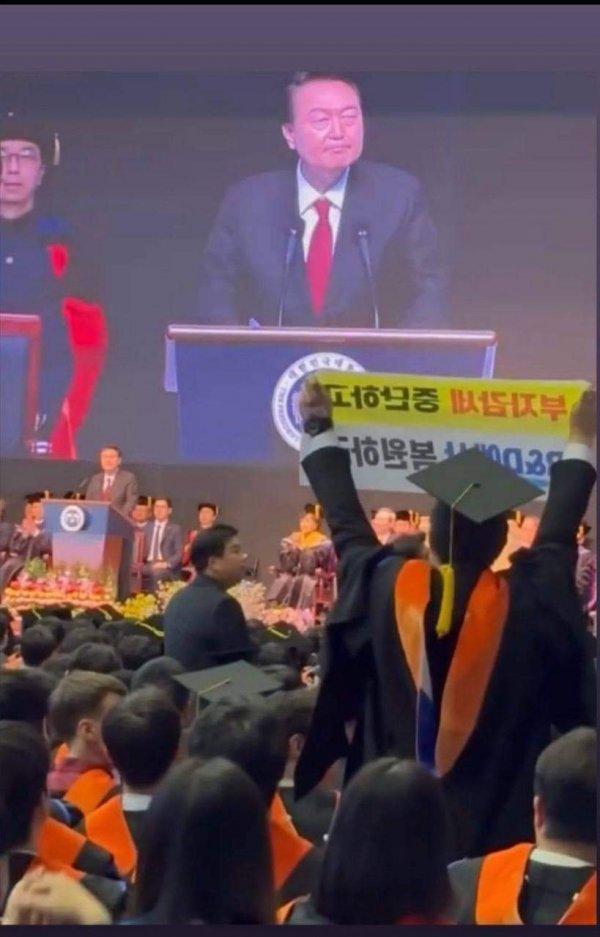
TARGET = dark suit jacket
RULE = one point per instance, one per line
(171, 545)
(243, 264)
(205, 627)
(124, 491)
(542, 676)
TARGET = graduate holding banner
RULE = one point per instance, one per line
(463, 669)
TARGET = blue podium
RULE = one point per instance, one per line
(92, 534)
(237, 387)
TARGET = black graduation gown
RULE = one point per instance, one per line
(542, 676)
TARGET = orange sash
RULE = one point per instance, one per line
(90, 790)
(287, 846)
(473, 660)
(500, 883)
(107, 827)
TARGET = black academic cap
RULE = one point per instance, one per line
(208, 504)
(237, 679)
(14, 126)
(474, 485)
(288, 637)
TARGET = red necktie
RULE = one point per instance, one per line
(320, 254)
(108, 482)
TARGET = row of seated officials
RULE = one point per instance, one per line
(123, 798)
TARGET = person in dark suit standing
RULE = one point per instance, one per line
(337, 242)
(204, 626)
(495, 690)
(113, 483)
(163, 547)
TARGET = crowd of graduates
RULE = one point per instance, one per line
(126, 797)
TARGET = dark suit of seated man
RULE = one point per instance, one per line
(294, 247)
(163, 547)
(204, 626)
(113, 483)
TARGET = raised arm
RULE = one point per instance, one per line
(327, 466)
(571, 479)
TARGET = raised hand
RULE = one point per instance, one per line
(314, 401)
(583, 419)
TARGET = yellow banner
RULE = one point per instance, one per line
(487, 406)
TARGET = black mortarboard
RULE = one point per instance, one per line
(289, 637)
(14, 126)
(478, 488)
(474, 485)
(237, 679)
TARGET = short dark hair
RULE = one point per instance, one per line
(388, 850)
(301, 78)
(82, 634)
(565, 781)
(193, 864)
(161, 673)
(162, 498)
(25, 695)
(113, 630)
(25, 763)
(37, 644)
(210, 543)
(137, 649)
(476, 544)
(142, 734)
(114, 448)
(57, 665)
(294, 710)
(77, 696)
(246, 732)
(99, 658)
(56, 626)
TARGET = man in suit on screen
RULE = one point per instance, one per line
(336, 241)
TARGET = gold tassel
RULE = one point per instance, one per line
(444, 622)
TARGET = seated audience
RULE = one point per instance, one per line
(207, 518)
(141, 734)
(554, 880)
(303, 556)
(97, 658)
(141, 512)
(311, 815)
(205, 855)
(23, 814)
(37, 645)
(248, 733)
(25, 695)
(383, 522)
(385, 861)
(161, 673)
(83, 776)
(204, 626)
(163, 551)
(28, 540)
(136, 649)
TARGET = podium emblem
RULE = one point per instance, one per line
(284, 404)
(72, 519)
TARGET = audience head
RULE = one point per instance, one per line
(110, 459)
(288, 677)
(77, 707)
(309, 523)
(98, 658)
(404, 523)
(25, 695)
(57, 626)
(141, 510)
(34, 507)
(383, 523)
(82, 634)
(294, 711)
(112, 631)
(218, 553)
(25, 763)
(205, 854)
(162, 509)
(137, 649)
(141, 734)
(160, 673)
(583, 532)
(124, 676)
(58, 665)
(247, 733)
(37, 644)
(387, 852)
(565, 802)
(475, 545)
(207, 515)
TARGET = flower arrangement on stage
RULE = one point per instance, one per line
(36, 584)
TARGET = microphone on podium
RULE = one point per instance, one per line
(363, 244)
(289, 256)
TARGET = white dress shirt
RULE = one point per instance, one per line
(109, 479)
(307, 196)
